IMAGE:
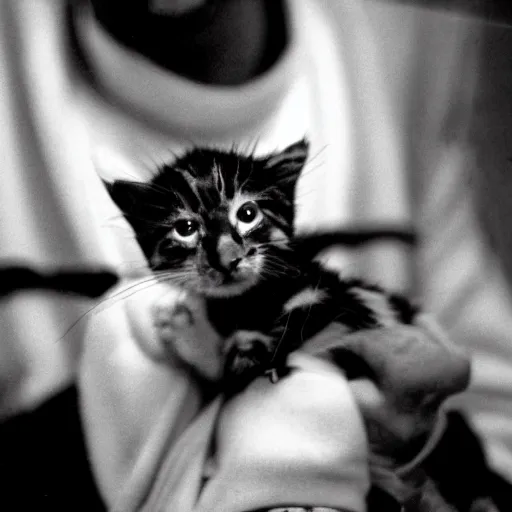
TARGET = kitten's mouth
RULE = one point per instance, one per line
(216, 283)
(221, 285)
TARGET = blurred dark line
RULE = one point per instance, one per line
(355, 237)
(85, 282)
(499, 11)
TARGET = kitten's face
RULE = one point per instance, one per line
(216, 222)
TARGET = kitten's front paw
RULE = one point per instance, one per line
(247, 354)
(182, 326)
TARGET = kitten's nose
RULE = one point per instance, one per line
(233, 264)
(230, 253)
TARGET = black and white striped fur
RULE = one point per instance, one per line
(221, 224)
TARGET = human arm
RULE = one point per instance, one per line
(421, 454)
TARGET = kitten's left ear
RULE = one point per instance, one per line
(288, 163)
(137, 201)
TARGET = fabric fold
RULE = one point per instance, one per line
(298, 442)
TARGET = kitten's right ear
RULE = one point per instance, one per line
(293, 157)
(288, 163)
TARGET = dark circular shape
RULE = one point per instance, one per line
(247, 212)
(186, 227)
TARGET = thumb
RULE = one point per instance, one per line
(415, 365)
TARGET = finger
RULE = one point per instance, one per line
(368, 396)
(386, 421)
(414, 365)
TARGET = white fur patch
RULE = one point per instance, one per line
(305, 298)
(279, 238)
(378, 303)
(218, 180)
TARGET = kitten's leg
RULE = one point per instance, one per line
(182, 325)
(247, 353)
(250, 354)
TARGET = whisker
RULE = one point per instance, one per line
(277, 270)
(93, 308)
(149, 184)
(148, 279)
(154, 162)
(278, 345)
(274, 243)
(276, 265)
(269, 274)
(165, 223)
(305, 194)
(124, 293)
(282, 269)
(317, 154)
(307, 172)
(278, 261)
(255, 143)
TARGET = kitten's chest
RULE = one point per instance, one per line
(256, 311)
(286, 301)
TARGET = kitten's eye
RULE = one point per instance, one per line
(248, 216)
(186, 230)
(247, 212)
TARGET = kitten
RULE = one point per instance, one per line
(221, 225)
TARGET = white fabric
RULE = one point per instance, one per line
(285, 443)
(370, 85)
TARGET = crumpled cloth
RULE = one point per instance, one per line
(302, 441)
(299, 441)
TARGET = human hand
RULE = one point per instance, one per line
(415, 368)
